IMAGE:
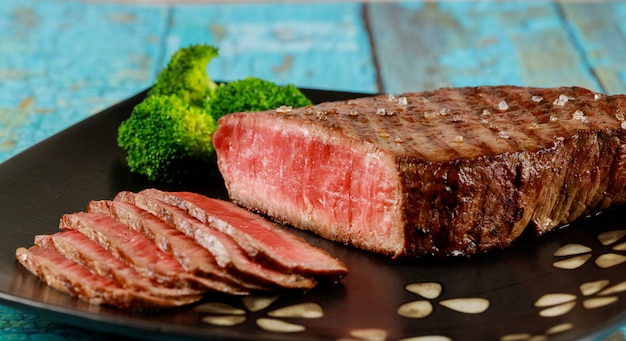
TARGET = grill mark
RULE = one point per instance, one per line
(433, 135)
(558, 127)
(502, 132)
(368, 125)
(555, 126)
(540, 139)
(473, 127)
(409, 122)
(398, 124)
(434, 138)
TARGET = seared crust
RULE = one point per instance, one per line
(473, 166)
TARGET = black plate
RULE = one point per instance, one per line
(517, 294)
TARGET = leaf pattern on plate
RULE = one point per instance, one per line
(559, 328)
(594, 295)
(431, 291)
(573, 256)
(222, 314)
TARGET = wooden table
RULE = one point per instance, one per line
(62, 61)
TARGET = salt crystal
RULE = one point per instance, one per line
(503, 134)
(553, 118)
(485, 112)
(623, 125)
(383, 134)
(503, 106)
(422, 99)
(308, 110)
(562, 100)
(620, 117)
(321, 115)
(432, 114)
(380, 111)
(353, 113)
(284, 109)
(579, 115)
(537, 99)
(533, 125)
(403, 101)
(597, 96)
(391, 98)
(457, 118)
(398, 140)
(351, 102)
(458, 139)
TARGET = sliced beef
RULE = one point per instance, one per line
(135, 249)
(455, 171)
(75, 279)
(138, 251)
(193, 257)
(80, 249)
(259, 237)
(227, 253)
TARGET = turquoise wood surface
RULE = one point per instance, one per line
(461, 44)
(62, 61)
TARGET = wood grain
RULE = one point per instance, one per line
(600, 32)
(466, 44)
(319, 45)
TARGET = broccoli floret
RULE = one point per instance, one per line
(166, 138)
(168, 135)
(253, 94)
(185, 75)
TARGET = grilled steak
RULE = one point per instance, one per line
(137, 251)
(228, 254)
(134, 249)
(80, 249)
(192, 257)
(75, 279)
(259, 237)
(455, 171)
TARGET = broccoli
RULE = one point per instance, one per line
(253, 94)
(167, 139)
(185, 75)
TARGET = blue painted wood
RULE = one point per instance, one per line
(466, 44)
(62, 62)
(600, 33)
(318, 45)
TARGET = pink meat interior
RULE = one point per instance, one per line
(345, 192)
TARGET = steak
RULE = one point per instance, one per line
(449, 172)
(75, 279)
(259, 237)
(80, 249)
(228, 253)
(138, 251)
(135, 249)
(191, 256)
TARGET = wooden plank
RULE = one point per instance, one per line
(318, 45)
(600, 31)
(434, 45)
(63, 61)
